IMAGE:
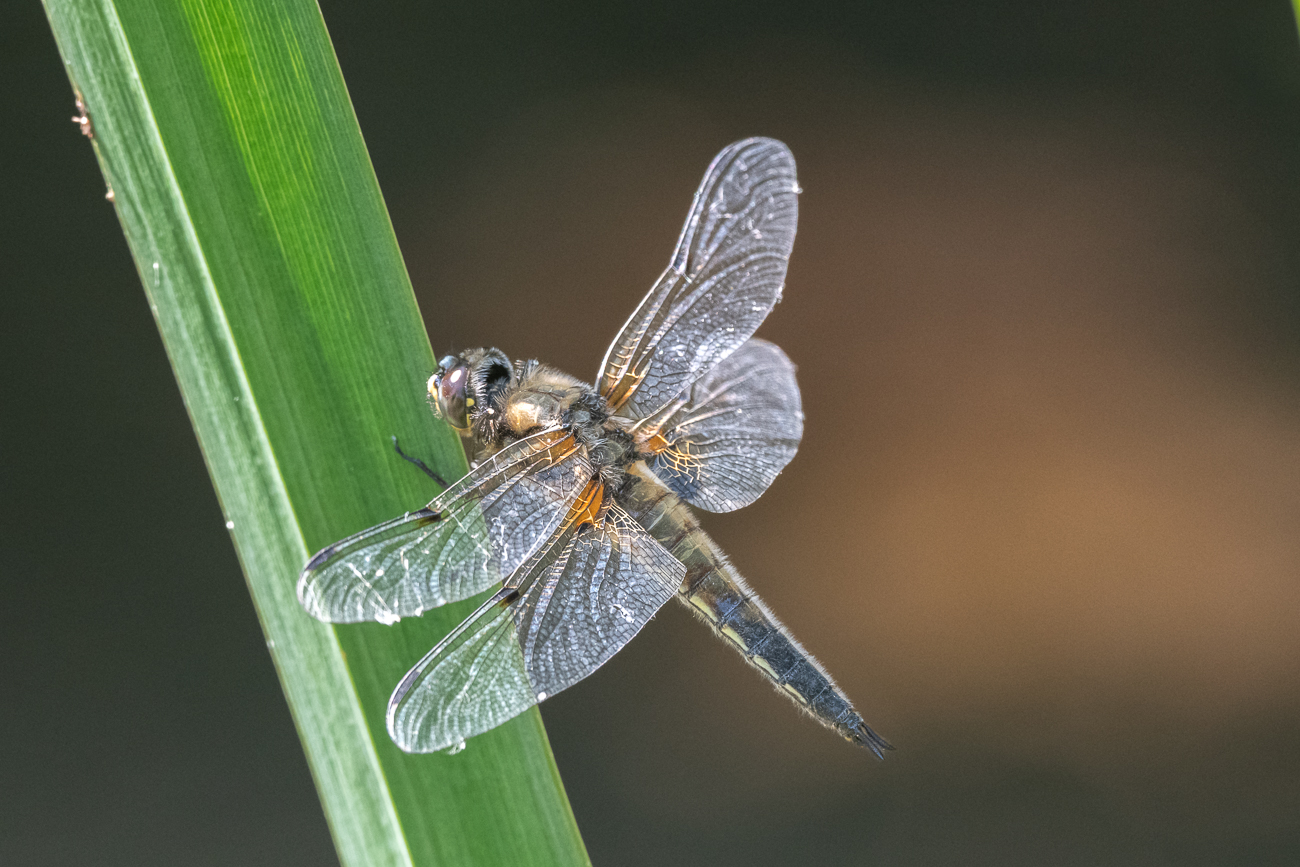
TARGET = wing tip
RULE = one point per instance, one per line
(400, 731)
(754, 146)
(318, 559)
(308, 593)
(759, 141)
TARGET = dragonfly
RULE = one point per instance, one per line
(577, 511)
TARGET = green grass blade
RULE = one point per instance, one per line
(238, 171)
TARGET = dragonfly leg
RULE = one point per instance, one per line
(442, 483)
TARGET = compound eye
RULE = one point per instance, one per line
(449, 386)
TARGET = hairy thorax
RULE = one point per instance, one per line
(543, 397)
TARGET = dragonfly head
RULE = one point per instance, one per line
(466, 385)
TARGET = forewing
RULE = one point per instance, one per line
(581, 597)
(723, 441)
(725, 276)
(471, 536)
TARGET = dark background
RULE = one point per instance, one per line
(1043, 526)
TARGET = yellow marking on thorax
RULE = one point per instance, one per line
(525, 414)
(541, 401)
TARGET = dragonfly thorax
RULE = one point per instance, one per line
(537, 397)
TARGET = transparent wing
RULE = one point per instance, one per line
(612, 580)
(725, 276)
(471, 536)
(581, 597)
(472, 681)
(723, 441)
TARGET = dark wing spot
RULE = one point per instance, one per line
(319, 558)
(425, 517)
(508, 597)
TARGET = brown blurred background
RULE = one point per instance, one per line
(1042, 527)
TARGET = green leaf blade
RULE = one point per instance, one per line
(252, 211)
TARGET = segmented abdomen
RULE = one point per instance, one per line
(716, 592)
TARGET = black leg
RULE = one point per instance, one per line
(442, 483)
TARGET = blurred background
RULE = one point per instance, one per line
(1043, 526)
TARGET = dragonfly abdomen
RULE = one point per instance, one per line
(717, 593)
